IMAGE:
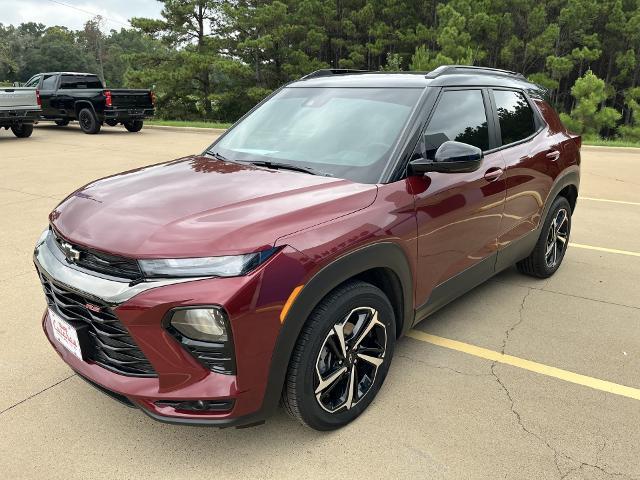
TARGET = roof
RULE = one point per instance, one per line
(69, 73)
(444, 76)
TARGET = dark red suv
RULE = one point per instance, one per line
(284, 262)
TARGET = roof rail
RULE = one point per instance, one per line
(449, 69)
(328, 72)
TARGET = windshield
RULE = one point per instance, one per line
(343, 132)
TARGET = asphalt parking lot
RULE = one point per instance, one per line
(453, 405)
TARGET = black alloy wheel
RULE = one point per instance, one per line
(88, 121)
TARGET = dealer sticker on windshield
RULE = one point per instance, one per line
(65, 334)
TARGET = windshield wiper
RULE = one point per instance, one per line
(288, 166)
(217, 155)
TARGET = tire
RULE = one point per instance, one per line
(111, 123)
(319, 349)
(134, 125)
(88, 121)
(63, 122)
(549, 251)
(22, 131)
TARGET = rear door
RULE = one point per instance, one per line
(530, 154)
(458, 214)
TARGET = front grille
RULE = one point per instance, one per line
(96, 261)
(108, 342)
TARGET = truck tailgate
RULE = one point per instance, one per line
(131, 98)
(18, 97)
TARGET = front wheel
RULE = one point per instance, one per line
(22, 131)
(341, 358)
(552, 243)
(88, 121)
(133, 125)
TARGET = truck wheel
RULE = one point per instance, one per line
(133, 125)
(62, 122)
(22, 131)
(341, 358)
(552, 243)
(111, 123)
(88, 121)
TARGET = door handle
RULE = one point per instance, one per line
(493, 174)
(553, 155)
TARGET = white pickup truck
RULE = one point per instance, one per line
(19, 109)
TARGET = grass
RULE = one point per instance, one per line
(185, 123)
(603, 142)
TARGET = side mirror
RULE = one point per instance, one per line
(451, 157)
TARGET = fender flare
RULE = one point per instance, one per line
(380, 255)
(570, 178)
(80, 104)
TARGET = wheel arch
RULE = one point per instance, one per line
(80, 104)
(383, 264)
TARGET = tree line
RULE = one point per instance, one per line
(214, 59)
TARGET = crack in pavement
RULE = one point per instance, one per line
(408, 357)
(544, 289)
(556, 452)
(36, 394)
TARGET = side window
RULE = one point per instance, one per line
(516, 116)
(49, 83)
(460, 116)
(68, 82)
(33, 82)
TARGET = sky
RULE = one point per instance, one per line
(116, 13)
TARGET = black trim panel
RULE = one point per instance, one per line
(456, 286)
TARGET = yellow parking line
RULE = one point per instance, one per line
(540, 368)
(603, 249)
(608, 200)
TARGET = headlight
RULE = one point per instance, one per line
(227, 266)
(204, 324)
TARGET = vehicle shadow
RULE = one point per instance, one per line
(75, 129)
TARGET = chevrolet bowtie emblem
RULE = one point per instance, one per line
(71, 254)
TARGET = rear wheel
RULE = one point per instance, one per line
(134, 125)
(23, 130)
(552, 244)
(62, 122)
(88, 121)
(111, 123)
(341, 358)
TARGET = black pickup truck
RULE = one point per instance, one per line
(83, 97)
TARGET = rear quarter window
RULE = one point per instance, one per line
(517, 120)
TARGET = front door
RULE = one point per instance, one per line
(458, 214)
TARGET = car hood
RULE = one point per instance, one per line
(198, 206)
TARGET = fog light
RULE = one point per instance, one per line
(204, 324)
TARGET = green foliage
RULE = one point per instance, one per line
(589, 116)
(213, 60)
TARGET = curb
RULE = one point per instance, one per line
(604, 148)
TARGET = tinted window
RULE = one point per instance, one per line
(516, 117)
(49, 82)
(459, 116)
(80, 81)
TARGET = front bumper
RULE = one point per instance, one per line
(253, 316)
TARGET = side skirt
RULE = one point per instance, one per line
(456, 286)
